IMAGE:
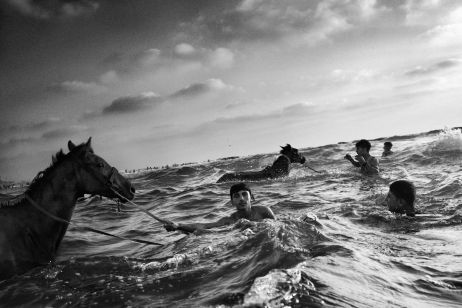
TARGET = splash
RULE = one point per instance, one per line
(449, 139)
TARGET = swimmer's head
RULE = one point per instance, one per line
(401, 198)
(241, 196)
(387, 146)
(363, 146)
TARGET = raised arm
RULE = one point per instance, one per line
(354, 162)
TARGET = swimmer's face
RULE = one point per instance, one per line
(361, 151)
(241, 200)
(387, 147)
(394, 203)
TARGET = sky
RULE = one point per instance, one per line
(162, 82)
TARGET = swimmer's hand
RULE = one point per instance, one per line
(348, 156)
(171, 226)
(361, 159)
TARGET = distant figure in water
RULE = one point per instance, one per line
(401, 198)
(279, 168)
(369, 164)
(387, 149)
(241, 198)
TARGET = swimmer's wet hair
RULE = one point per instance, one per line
(363, 143)
(388, 144)
(405, 190)
(238, 187)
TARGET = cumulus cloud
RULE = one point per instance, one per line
(45, 9)
(109, 77)
(434, 68)
(184, 49)
(196, 89)
(147, 57)
(306, 21)
(76, 86)
(132, 103)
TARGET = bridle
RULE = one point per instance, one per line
(109, 182)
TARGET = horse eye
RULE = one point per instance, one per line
(100, 165)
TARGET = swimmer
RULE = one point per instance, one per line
(401, 198)
(368, 163)
(387, 149)
(241, 198)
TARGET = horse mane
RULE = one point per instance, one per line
(42, 176)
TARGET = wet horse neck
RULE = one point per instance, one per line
(57, 195)
(59, 191)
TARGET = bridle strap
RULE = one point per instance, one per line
(288, 158)
(109, 182)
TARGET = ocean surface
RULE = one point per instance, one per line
(361, 256)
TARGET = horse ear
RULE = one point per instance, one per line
(88, 144)
(288, 146)
(70, 145)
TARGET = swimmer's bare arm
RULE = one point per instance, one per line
(262, 212)
(354, 162)
(189, 228)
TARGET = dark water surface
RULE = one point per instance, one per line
(362, 256)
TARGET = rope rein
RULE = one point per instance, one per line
(38, 207)
(109, 184)
(164, 221)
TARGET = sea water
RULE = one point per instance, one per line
(360, 256)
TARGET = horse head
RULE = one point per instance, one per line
(96, 176)
(292, 154)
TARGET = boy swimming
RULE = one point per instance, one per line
(241, 198)
(387, 148)
(401, 198)
(368, 163)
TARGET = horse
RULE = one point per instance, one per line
(29, 234)
(279, 168)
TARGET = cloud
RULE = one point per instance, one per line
(109, 77)
(303, 21)
(184, 49)
(196, 89)
(291, 111)
(45, 9)
(129, 104)
(35, 126)
(434, 68)
(64, 132)
(446, 25)
(147, 57)
(421, 12)
(15, 141)
(49, 135)
(221, 58)
(76, 86)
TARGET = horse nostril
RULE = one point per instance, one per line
(132, 190)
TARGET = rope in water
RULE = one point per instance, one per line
(313, 169)
(38, 207)
(164, 221)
